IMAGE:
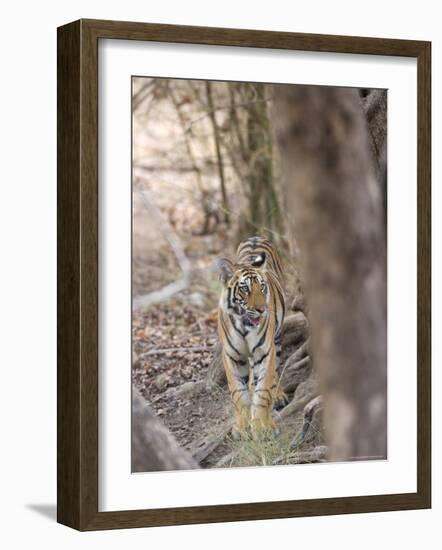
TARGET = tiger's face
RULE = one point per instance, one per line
(246, 292)
(249, 295)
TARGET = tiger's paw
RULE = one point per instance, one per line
(281, 401)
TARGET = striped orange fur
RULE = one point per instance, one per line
(250, 318)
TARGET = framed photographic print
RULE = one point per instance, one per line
(243, 274)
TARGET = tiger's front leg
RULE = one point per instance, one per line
(264, 373)
(237, 373)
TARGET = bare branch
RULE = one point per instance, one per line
(177, 286)
(218, 152)
(162, 351)
(142, 94)
(225, 108)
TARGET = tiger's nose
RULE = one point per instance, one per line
(260, 309)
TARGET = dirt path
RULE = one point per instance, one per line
(170, 370)
(173, 347)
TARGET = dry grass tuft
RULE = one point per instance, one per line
(259, 449)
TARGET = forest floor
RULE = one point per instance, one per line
(173, 347)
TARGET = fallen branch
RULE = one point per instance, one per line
(162, 351)
(318, 454)
(177, 286)
(226, 460)
(201, 450)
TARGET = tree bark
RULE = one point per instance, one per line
(374, 103)
(216, 139)
(336, 214)
(264, 214)
(153, 447)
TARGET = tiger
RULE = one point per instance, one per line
(250, 319)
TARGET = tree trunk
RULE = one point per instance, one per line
(219, 158)
(374, 103)
(153, 447)
(264, 215)
(336, 214)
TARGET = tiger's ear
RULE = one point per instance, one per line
(224, 268)
(259, 259)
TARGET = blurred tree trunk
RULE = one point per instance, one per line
(374, 103)
(336, 214)
(153, 447)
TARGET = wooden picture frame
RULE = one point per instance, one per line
(77, 459)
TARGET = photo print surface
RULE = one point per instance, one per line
(259, 321)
